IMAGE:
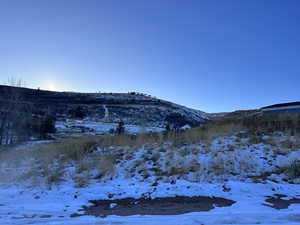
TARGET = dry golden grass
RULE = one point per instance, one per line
(82, 180)
(292, 170)
(54, 176)
(106, 164)
(78, 148)
(70, 149)
(290, 144)
(218, 166)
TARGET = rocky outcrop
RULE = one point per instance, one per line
(132, 108)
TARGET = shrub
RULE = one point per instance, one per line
(106, 164)
(79, 112)
(293, 170)
(176, 120)
(48, 125)
(42, 125)
(82, 180)
(53, 175)
(120, 129)
(290, 144)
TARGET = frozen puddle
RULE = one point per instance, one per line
(159, 206)
(277, 202)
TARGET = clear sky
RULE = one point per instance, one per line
(213, 55)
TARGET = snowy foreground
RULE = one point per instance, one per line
(232, 168)
(19, 206)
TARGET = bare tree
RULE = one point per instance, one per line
(14, 114)
(20, 119)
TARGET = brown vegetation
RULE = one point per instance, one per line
(167, 142)
(76, 148)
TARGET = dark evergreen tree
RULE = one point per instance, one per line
(120, 129)
(48, 125)
(79, 113)
(168, 128)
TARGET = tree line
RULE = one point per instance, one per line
(20, 120)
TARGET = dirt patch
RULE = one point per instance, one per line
(277, 202)
(159, 206)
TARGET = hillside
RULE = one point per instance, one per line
(132, 108)
(237, 168)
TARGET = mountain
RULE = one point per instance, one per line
(131, 108)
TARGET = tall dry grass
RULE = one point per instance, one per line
(76, 149)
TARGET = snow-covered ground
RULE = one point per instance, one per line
(78, 127)
(19, 206)
(234, 168)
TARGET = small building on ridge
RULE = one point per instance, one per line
(291, 107)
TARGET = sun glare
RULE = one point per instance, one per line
(52, 87)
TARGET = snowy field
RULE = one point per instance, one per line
(233, 168)
(77, 127)
(24, 206)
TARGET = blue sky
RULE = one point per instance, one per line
(214, 55)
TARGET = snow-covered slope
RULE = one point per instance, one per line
(70, 127)
(132, 108)
(238, 168)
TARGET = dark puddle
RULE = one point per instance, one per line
(159, 206)
(277, 202)
(31, 216)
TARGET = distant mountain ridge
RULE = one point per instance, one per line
(131, 108)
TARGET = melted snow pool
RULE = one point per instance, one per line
(277, 201)
(159, 206)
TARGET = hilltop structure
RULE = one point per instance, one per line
(291, 107)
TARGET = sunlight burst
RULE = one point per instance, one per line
(52, 87)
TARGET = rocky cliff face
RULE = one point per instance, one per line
(132, 108)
